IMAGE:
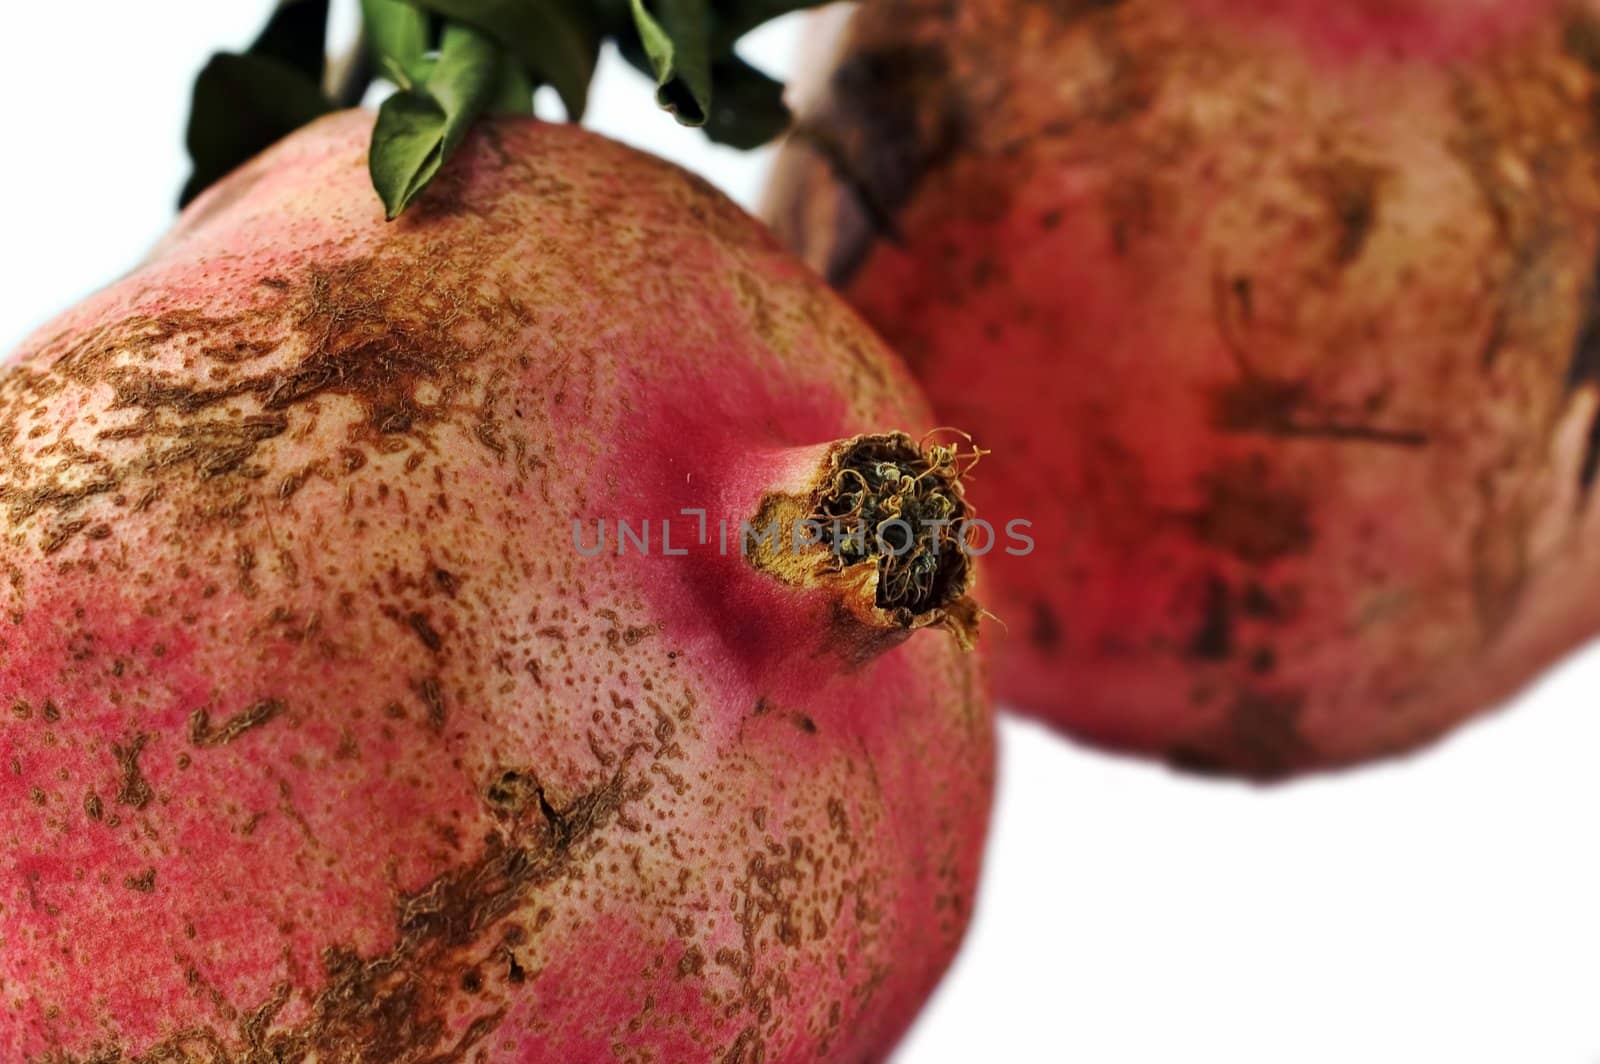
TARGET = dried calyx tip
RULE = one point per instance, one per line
(881, 526)
(901, 505)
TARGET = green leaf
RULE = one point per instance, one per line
(678, 44)
(419, 128)
(297, 37)
(514, 94)
(397, 33)
(748, 109)
(657, 43)
(557, 40)
(242, 105)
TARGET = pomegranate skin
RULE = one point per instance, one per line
(1283, 314)
(322, 740)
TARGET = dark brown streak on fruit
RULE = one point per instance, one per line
(1584, 372)
(1264, 728)
(834, 155)
(1350, 190)
(446, 582)
(1581, 39)
(1045, 631)
(1260, 739)
(395, 1006)
(1522, 213)
(425, 631)
(1261, 405)
(134, 790)
(1248, 516)
(1590, 466)
(1071, 10)
(894, 115)
(201, 733)
(370, 329)
(1214, 639)
(433, 701)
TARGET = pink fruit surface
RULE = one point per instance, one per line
(322, 741)
(1283, 314)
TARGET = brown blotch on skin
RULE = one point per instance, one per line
(692, 963)
(386, 335)
(446, 582)
(1257, 601)
(1248, 516)
(1257, 405)
(425, 631)
(1264, 728)
(396, 1005)
(1133, 210)
(1581, 38)
(1260, 739)
(1045, 629)
(1589, 467)
(201, 732)
(432, 696)
(515, 792)
(803, 721)
(1350, 191)
(1584, 372)
(134, 791)
(1213, 639)
(880, 138)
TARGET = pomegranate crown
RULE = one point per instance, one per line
(453, 61)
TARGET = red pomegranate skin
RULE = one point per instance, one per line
(1283, 314)
(320, 739)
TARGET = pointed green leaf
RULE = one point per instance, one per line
(657, 43)
(748, 108)
(397, 34)
(514, 94)
(419, 128)
(558, 41)
(677, 40)
(245, 103)
(242, 105)
(297, 36)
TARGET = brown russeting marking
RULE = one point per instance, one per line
(135, 790)
(201, 733)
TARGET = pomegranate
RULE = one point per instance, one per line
(329, 731)
(1284, 315)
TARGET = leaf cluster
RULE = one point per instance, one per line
(454, 61)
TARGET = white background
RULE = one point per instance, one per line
(1443, 910)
